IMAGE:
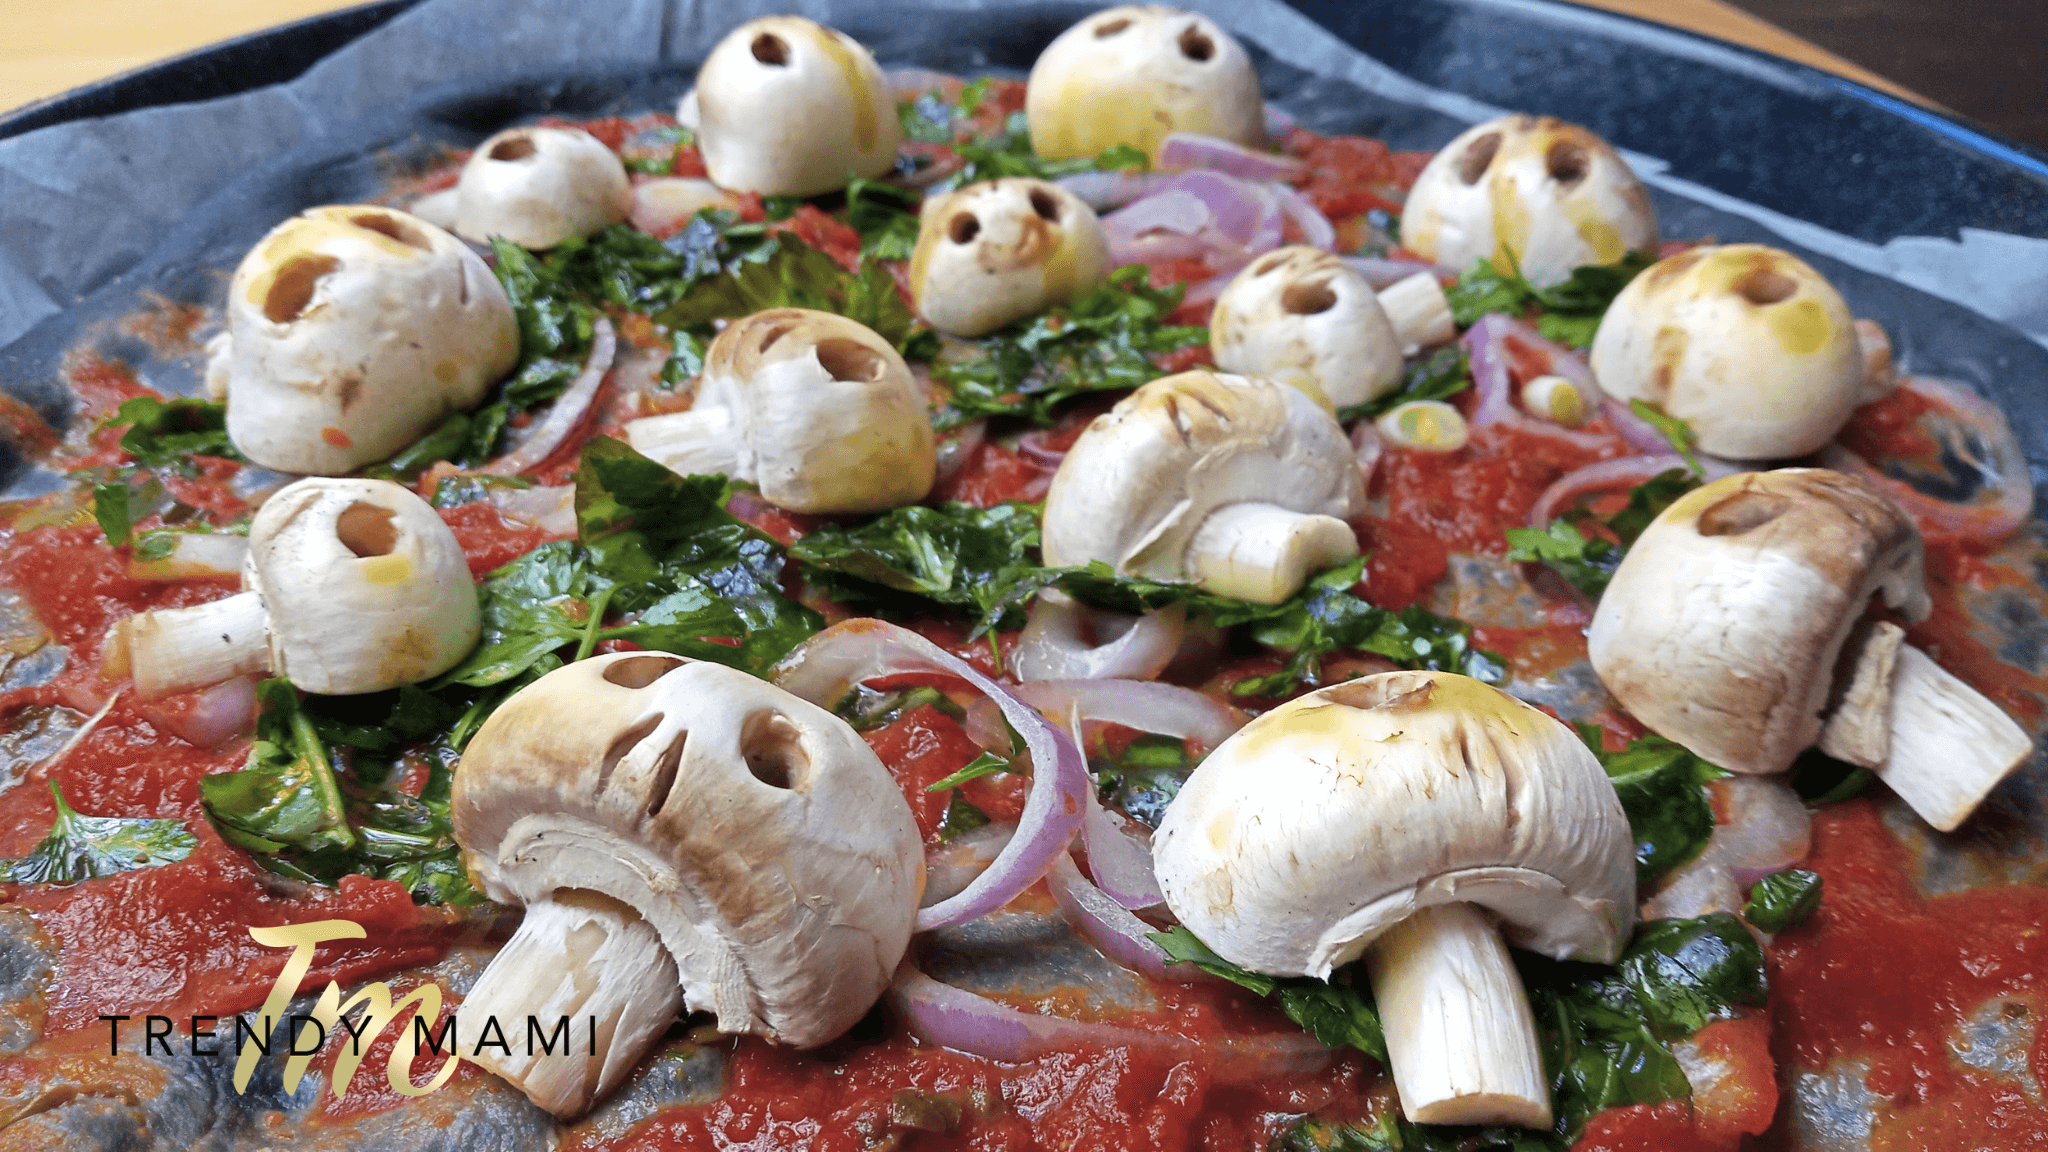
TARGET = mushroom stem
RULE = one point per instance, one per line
(1419, 311)
(1460, 1037)
(699, 442)
(172, 649)
(594, 962)
(1263, 552)
(1949, 745)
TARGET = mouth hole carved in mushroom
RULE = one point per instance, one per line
(1478, 158)
(771, 50)
(850, 360)
(1045, 204)
(392, 227)
(1764, 287)
(366, 530)
(665, 773)
(962, 228)
(640, 671)
(515, 148)
(1742, 512)
(291, 290)
(1567, 162)
(774, 749)
(1196, 45)
(623, 743)
(1308, 299)
(1106, 30)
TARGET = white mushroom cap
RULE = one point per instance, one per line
(1304, 317)
(1132, 74)
(1747, 344)
(541, 186)
(787, 107)
(351, 331)
(996, 252)
(364, 586)
(1332, 818)
(1722, 627)
(816, 409)
(1551, 194)
(757, 833)
(1243, 486)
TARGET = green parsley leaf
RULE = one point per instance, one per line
(162, 433)
(1681, 435)
(1662, 788)
(1588, 559)
(88, 847)
(785, 272)
(287, 795)
(1689, 973)
(1184, 947)
(531, 607)
(110, 508)
(1335, 1012)
(1783, 899)
(955, 554)
(1822, 780)
(1569, 313)
(961, 817)
(885, 215)
(986, 764)
(1439, 376)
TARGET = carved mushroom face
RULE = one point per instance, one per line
(1304, 317)
(999, 251)
(1240, 485)
(1722, 627)
(1747, 344)
(816, 409)
(788, 107)
(541, 186)
(1550, 194)
(351, 331)
(363, 585)
(1132, 74)
(757, 833)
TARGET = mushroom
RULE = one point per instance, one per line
(682, 835)
(1304, 317)
(352, 586)
(1241, 486)
(1747, 344)
(818, 411)
(1412, 819)
(1734, 626)
(1001, 250)
(1132, 74)
(352, 331)
(541, 186)
(788, 107)
(1532, 190)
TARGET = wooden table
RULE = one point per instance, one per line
(48, 48)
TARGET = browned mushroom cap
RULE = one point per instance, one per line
(1722, 627)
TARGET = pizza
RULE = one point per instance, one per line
(893, 610)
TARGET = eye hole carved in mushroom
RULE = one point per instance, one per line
(850, 360)
(1478, 158)
(665, 773)
(513, 148)
(623, 743)
(392, 227)
(640, 671)
(366, 530)
(1742, 512)
(1110, 28)
(771, 50)
(1045, 204)
(774, 750)
(1196, 45)
(1764, 287)
(1567, 162)
(962, 228)
(1308, 299)
(773, 334)
(291, 290)
(1270, 263)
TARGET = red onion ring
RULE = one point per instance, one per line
(212, 716)
(1053, 648)
(1104, 191)
(1315, 228)
(1183, 150)
(1031, 446)
(950, 867)
(1623, 472)
(827, 666)
(1381, 273)
(1111, 927)
(1164, 709)
(569, 409)
(1994, 521)
(955, 453)
(1769, 829)
(1495, 390)
(965, 1021)
(1222, 219)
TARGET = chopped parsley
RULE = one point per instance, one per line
(88, 847)
(1569, 313)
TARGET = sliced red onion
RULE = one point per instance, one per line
(1606, 476)
(1203, 292)
(1220, 218)
(952, 866)
(1054, 644)
(212, 717)
(1640, 433)
(1148, 706)
(552, 509)
(1368, 447)
(1495, 389)
(1279, 124)
(955, 453)
(1110, 926)
(829, 665)
(1315, 228)
(1180, 151)
(569, 409)
(1381, 273)
(2013, 501)
(1103, 191)
(1769, 828)
(1120, 860)
(965, 1021)
(1031, 446)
